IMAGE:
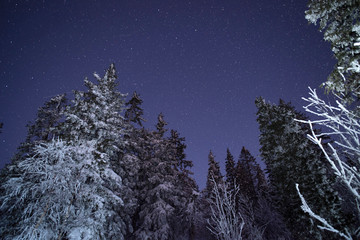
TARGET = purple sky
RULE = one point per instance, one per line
(201, 63)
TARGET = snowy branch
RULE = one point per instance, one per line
(344, 125)
(226, 222)
(325, 225)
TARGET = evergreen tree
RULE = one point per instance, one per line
(134, 112)
(230, 170)
(245, 175)
(340, 22)
(45, 127)
(183, 165)
(95, 114)
(130, 161)
(157, 190)
(183, 224)
(261, 185)
(160, 126)
(290, 159)
(203, 203)
(213, 173)
(94, 122)
(64, 192)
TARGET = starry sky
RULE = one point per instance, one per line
(200, 63)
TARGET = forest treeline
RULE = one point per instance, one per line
(89, 169)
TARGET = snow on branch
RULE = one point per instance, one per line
(344, 126)
(226, 222)
(324, 224)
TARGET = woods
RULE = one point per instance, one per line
(89, 168)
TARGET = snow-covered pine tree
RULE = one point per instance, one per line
(130, 161)
(95, 114)
(230, 170)
(95, 117)
(340, 22)
(45, 127)
(66, 193)
(157, 191)
(186, 187)
(290, 159)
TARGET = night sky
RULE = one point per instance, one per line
(200, 63)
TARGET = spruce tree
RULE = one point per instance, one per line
(203, 203)
(214, 172)
(290, 158)
(230, 170)
(93, 143)
(44, 128)
(245, 175)
(340, 22)
(63, 192)
(95, 114)
(134, 112)
(187, 189)
(156, 185)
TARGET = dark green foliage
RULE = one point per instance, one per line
(166, 190)
(213, 173)
(246, 175)
(230, 170)
(134, 112)
(160, 126)
(291, 158)
(187, 190)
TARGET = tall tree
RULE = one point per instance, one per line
(93, 121)
(187, 189)
(203, 203)
(290, 159)
(95, 114)
(42, 130)
(245, 175)
(134, 112)
(340, 22)
(63, 192)
(157, 190)
(45, 127)
(230, 170)
(214, 174)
